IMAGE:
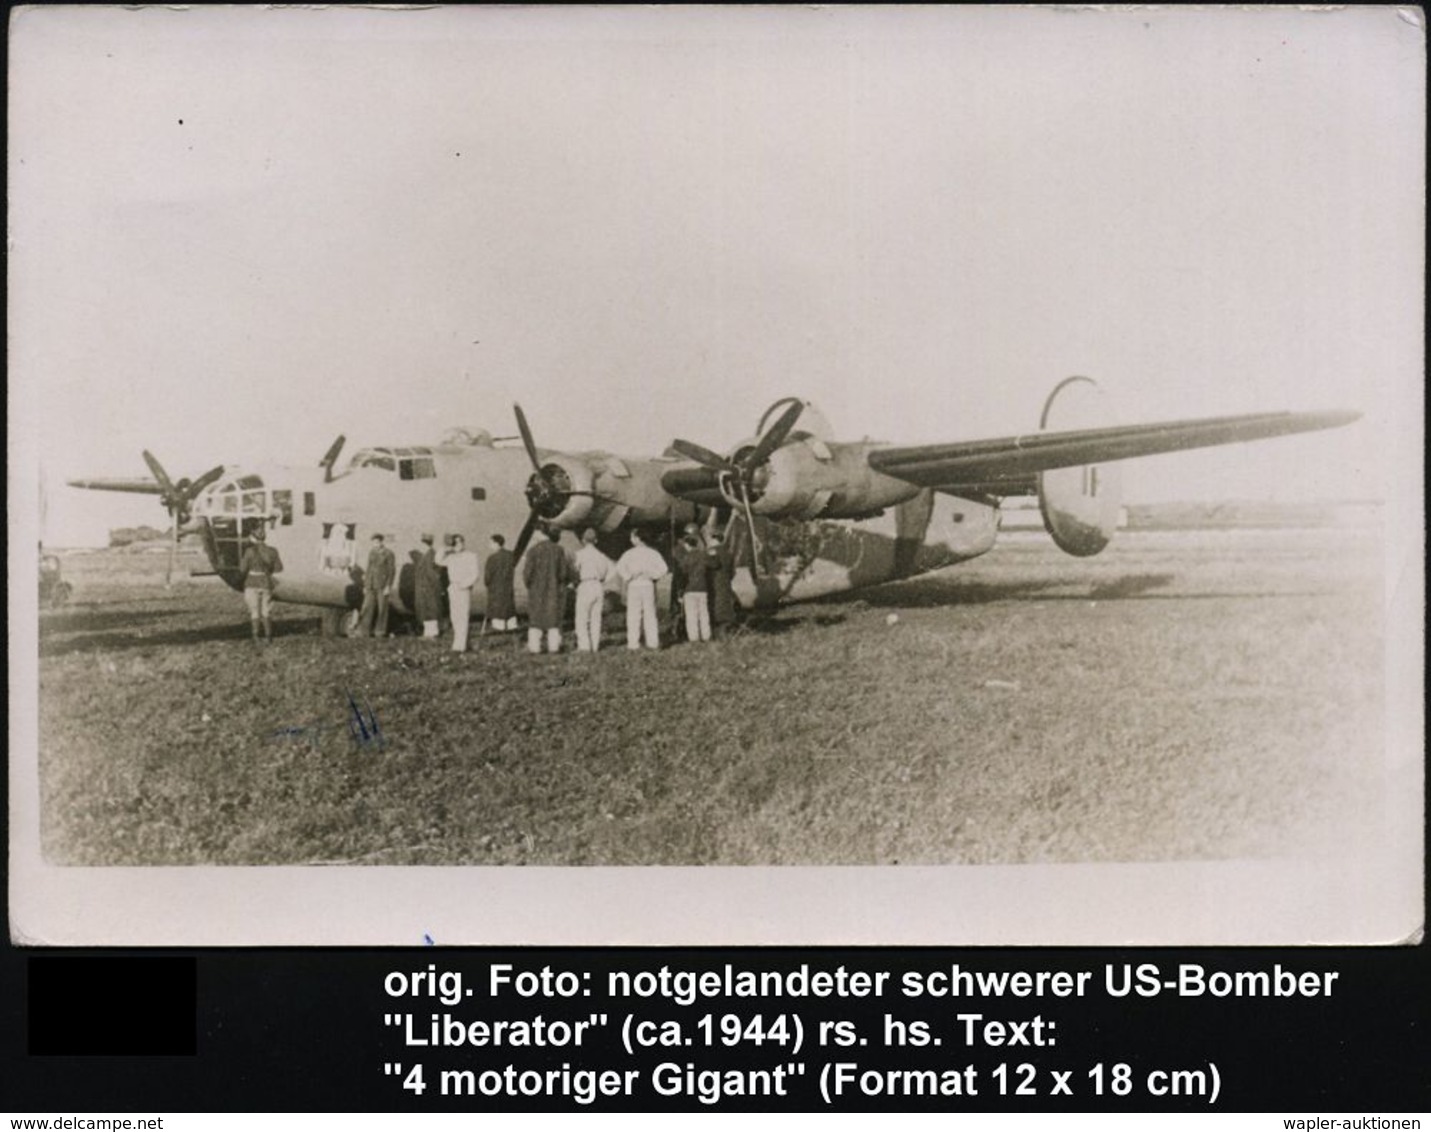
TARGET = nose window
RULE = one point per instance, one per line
(235, 511)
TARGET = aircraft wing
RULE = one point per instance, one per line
(136, 486)
(1007, 466)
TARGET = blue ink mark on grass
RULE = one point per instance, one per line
(363, 728)
(310, 733)
(363, 724)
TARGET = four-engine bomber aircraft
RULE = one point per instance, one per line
(808, 515)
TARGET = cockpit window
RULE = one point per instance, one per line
(381, 458)
(409, 463)
(417, 468)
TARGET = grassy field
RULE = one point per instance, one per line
(1186, 696)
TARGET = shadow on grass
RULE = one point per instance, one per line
(199, 634)
(95, 621)
(1097, 593)
(927, 592)
(935, 592)
(772, 625)
(1130, 585)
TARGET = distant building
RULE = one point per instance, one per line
(126, 536)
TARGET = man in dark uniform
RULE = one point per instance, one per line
(259, 564)
(693, 568)
(498, 577)
(427, 589)
(378, 582)
(720, 565)
(546, 572)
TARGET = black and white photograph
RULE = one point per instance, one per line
(715, 475)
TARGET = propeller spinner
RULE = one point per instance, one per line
(552, 486)
(176, 498)
(742, 477)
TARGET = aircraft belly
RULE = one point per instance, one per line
(807, 560)
(959, 529)
(313, 589)
(804, 561)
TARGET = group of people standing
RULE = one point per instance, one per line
(463, 571)
(703, 581)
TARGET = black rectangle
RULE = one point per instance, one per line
(91, 1005)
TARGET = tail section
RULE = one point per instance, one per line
(1080, 505)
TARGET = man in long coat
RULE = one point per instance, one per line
(545, 572)
(720, 566)
(498, 576)
(693, 567)
(427, 589)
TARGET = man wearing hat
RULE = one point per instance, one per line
(427, 589)
(378, 581)
(259, 564)
(592, 570)
(720, 568)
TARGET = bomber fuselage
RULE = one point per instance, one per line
(322, 526)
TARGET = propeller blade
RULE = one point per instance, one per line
(750, 527)
(775, 436)
(702, 456)
(166, 485)
(527, 442)
(526, 535)
(195, 489)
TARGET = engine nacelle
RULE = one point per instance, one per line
(633, 492)
(562, 493)
(1080, 505)
(810, 479)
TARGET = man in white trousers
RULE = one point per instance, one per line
(641, 568)
(694, 571)
(462, 574)
(592, 570)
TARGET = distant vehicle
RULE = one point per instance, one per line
(54, 590)
(807, 515)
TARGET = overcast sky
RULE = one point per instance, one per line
(235, 233)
